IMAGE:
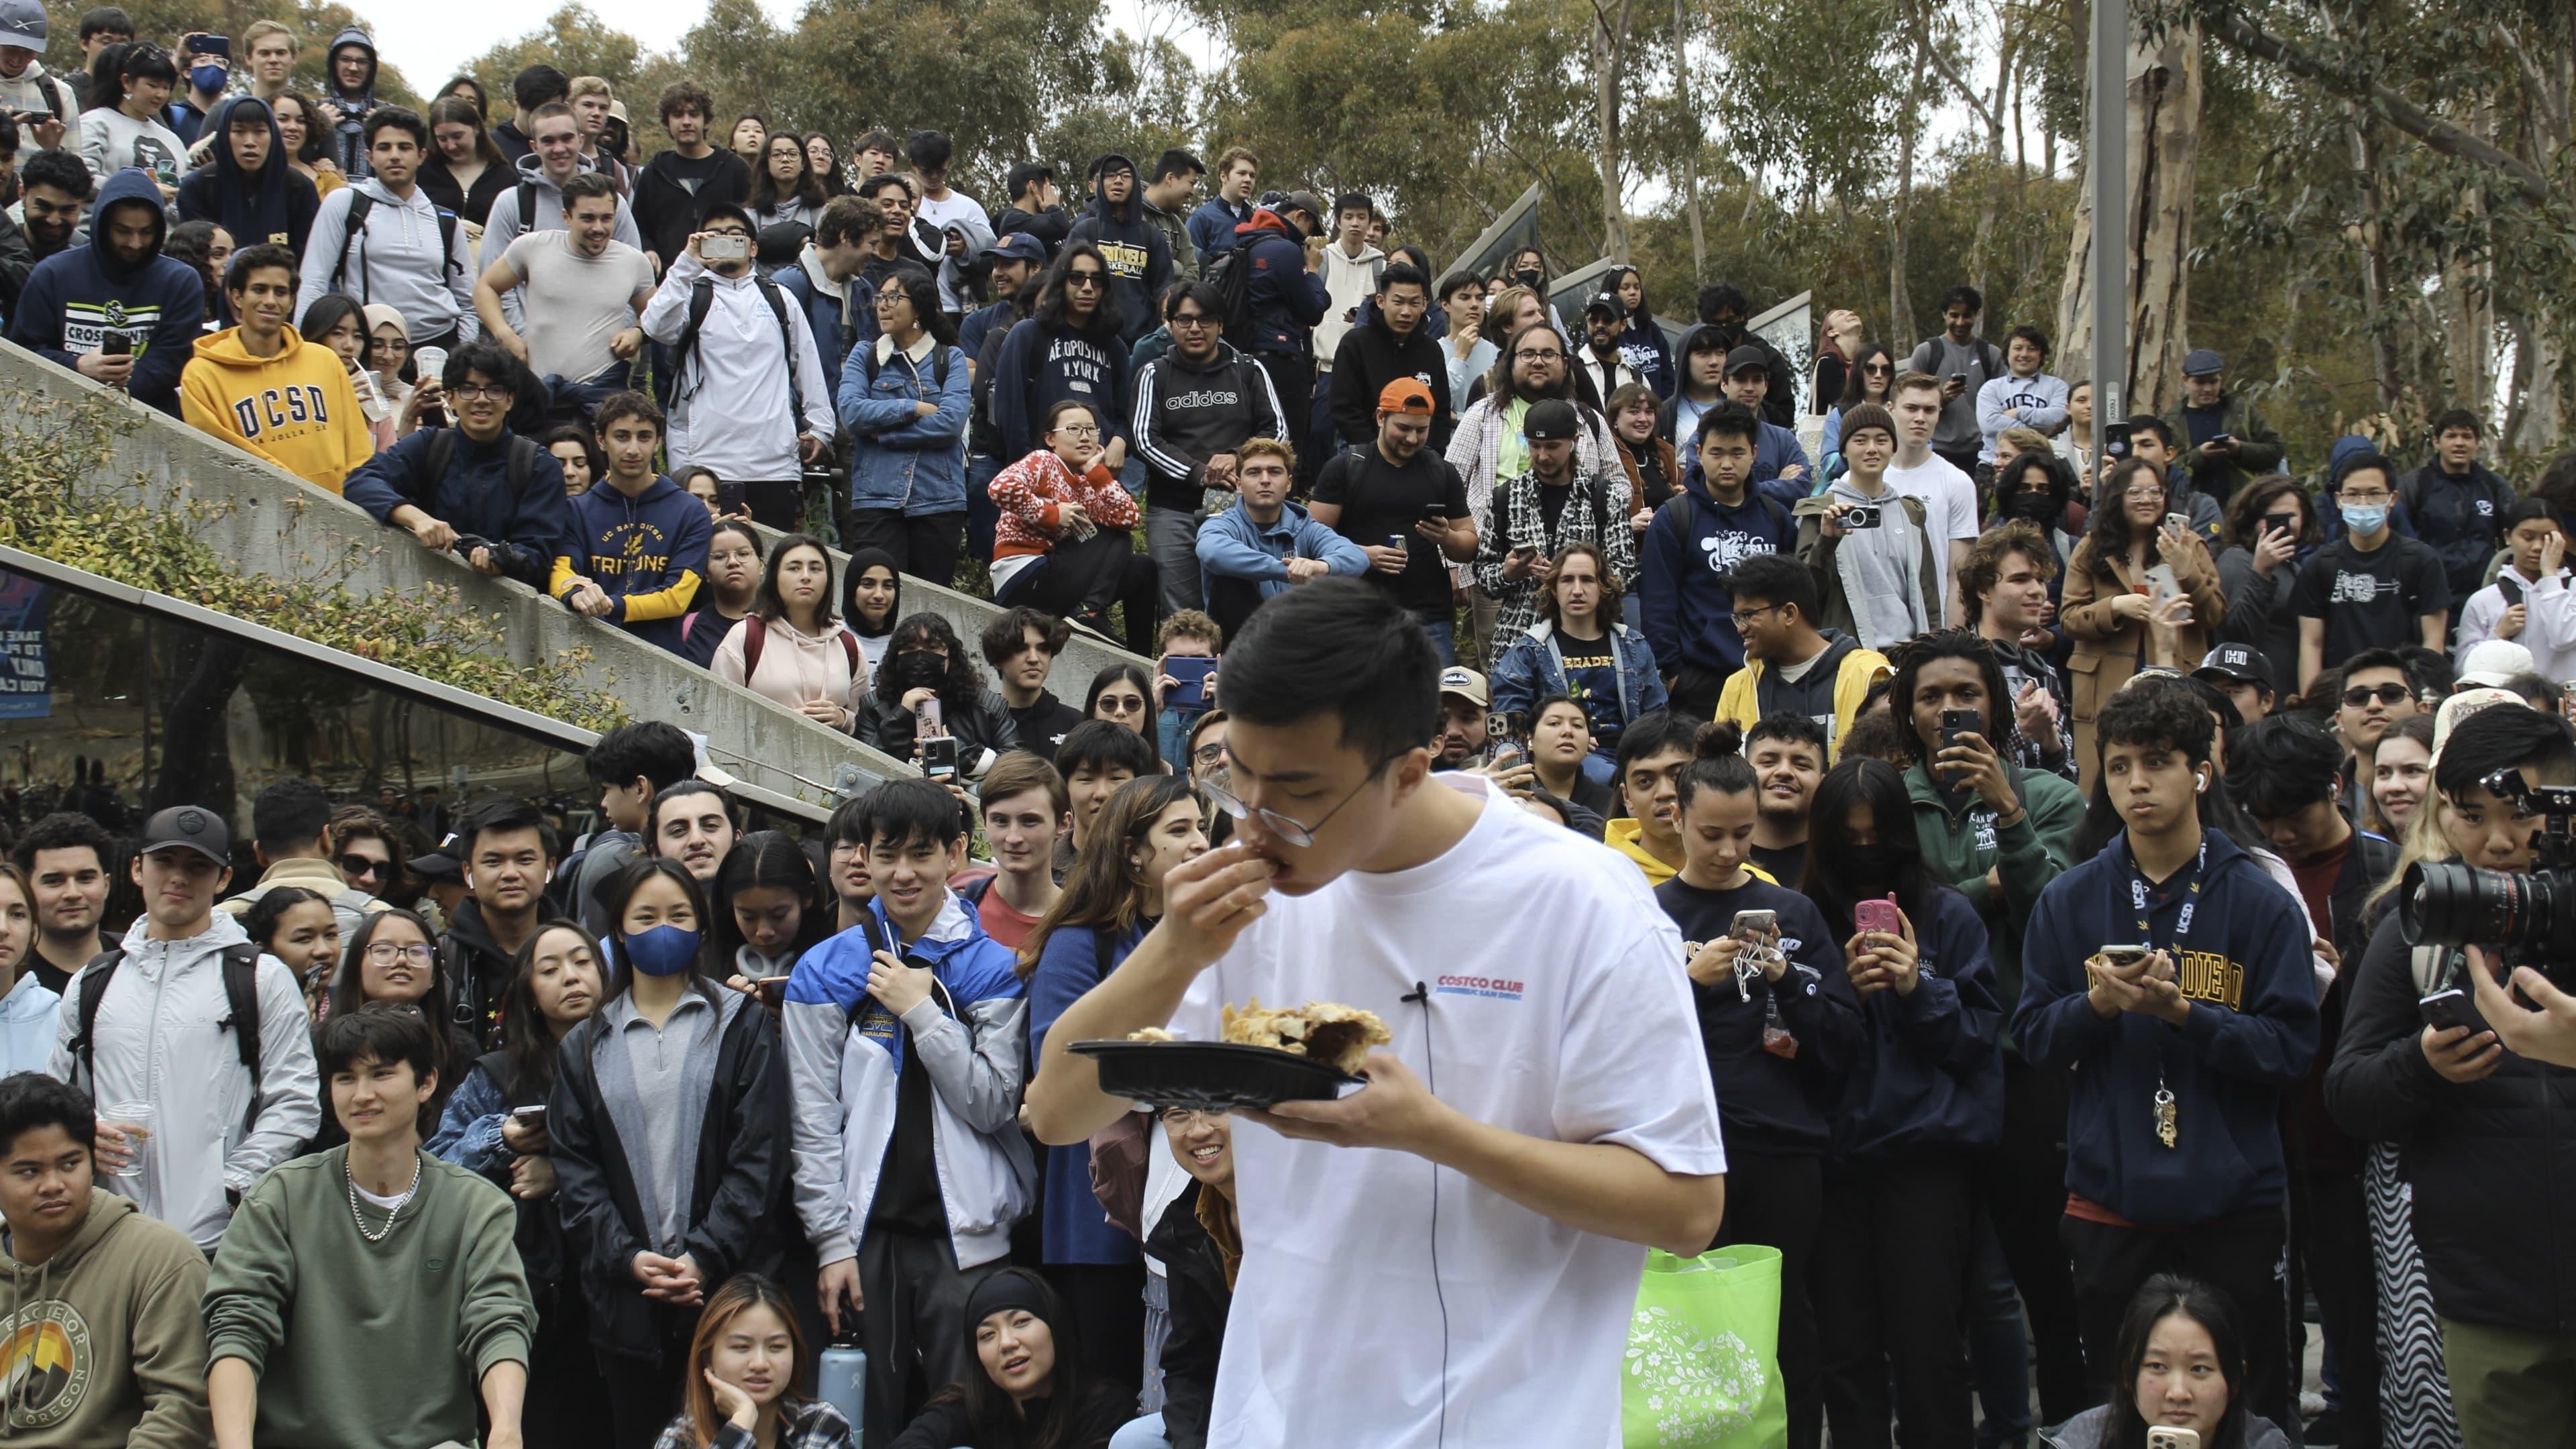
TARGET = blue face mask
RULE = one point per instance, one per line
(2364, 517)
(663, 950)
(208, 78)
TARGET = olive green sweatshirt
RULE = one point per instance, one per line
(1960, 845)
(100, 1344)
(382, 1344)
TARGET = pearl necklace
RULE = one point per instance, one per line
(399, 1203)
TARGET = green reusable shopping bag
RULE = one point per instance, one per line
(1703, 1363)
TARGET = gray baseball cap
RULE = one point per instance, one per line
(22, 24)
(189, 827)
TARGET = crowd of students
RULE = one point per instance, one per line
(1501, 663)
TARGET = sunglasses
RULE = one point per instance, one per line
(1088, 281)
(354, 866)
(2362, 694)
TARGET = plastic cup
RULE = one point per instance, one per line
(135, 1119)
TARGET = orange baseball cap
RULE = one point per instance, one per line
(1406, 395)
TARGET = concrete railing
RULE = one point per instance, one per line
(271, 522)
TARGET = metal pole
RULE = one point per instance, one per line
(2111, 219)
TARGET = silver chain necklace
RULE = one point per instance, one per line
(400, 1203)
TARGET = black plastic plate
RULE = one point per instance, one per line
(1211, 1076)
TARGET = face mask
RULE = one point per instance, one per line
(917, 671)
(2365, 518)
(2037, 507)
(208, 78)
(663, 950)
(1870, 862)
(1528, 279)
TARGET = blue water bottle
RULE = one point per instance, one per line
(841, 1378)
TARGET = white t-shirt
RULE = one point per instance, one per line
(1558, 1008)
(1949, 506)
(957, 204)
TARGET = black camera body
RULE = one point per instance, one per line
(1861, 515)
(2449, 903)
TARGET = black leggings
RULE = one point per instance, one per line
(1081, 578)
(1891, 1272)
(1778, 1202)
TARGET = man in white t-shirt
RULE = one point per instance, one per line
(1949, 496)
(1543, 1110)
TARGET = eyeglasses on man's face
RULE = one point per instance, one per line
(1742, 617)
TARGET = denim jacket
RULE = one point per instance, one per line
(898, 458)
(1534, 668)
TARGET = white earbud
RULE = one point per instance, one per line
(2200, 786)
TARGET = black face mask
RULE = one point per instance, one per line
(918, 669)
(1870, 862)
(1530, 279)
(2037, 507)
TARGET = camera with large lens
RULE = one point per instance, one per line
(2532, 917)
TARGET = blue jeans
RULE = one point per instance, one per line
(982, 516)
(1441, 627)
(582, 397)
(1173, 734)
(1998, 1348)
(1144, 1433)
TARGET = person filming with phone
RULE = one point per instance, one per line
(2477, 1124)
(2134, 556)
(2175, 977)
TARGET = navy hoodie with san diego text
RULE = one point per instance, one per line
(81, 294)
(648, 553)
(2246, 970)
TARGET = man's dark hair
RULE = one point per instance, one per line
(879, 140)
(2172, 719)
(64, 830)
(1785, 725)
(2502, 738)
(288, 816)
(1176, 162)
(250, 259)
(403, 119)
(537, 85)
(1951, 644)
(909, 812)
(1729, 419)
(2281, 765)
(848, 219)
(929, 150)
(1049, 312)
(2381, 659)
(1008, 630)
(2539, 690)
(487, 357)
(1652, 735)
(380, 1031)
(851, 820)
(883, 179)
(651, 749)
(1398, 273)
(1096, 745)
(2031, 335)
(1963, 293)
(62, 170)
(8, 136)
(1025, 175)
(2150, 423)
(1211, 301)
(686, 96)
(584, 186)
(2458, 418)
(105, 20)
(1777, 578)
(33, 1100)
(1719, 298)
(619, 406)
(1456, 282)
(501, 817)
(1341, 647)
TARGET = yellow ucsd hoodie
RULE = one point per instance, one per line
(296, 409)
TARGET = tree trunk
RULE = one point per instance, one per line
(1900, 304)
(2374, 260)
(2540, 362)
(1690, 154)
(2163, 106)
(1609, 67)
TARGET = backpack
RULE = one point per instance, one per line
(1230, 272)
(361, 205)
(755, 634)
(702, 299)
(241, 1003)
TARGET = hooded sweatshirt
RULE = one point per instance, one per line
(46, 96)
(296, 409)
(76, 296)
(1960, 842)
(1040, 364)
(1769, 1103)
(276, 206)
(400, 261)
(1828, 689)
(28, 1015)
(1927, 1076)
(1368, 357)
(1628, 837)
(118, 1352)
(1285, 299)
(474, 497)
(2245, 1045)
(1140, 261)
(1687, 560)
(351, 138)
(159, 1038)
(732, 408)
(1348, 281)
(648, 553)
